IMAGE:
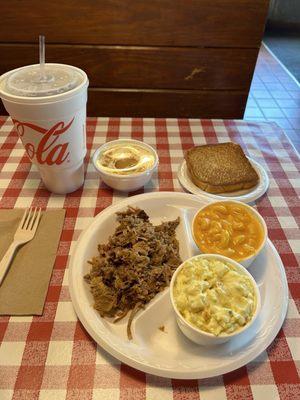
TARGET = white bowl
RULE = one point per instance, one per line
(125, 183)
(246, 262)
(199, 336)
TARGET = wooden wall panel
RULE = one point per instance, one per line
(145, 67)
(215, 23)
(166, 103)
(157, 58)
(163, 103)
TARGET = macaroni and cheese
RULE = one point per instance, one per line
(229, 229)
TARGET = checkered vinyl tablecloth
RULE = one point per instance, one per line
(52, 356)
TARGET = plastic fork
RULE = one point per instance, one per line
(24, 233)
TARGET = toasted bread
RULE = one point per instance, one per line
(220, 168)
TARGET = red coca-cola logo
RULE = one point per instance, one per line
(48, 151)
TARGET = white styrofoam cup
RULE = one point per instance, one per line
(53, 132)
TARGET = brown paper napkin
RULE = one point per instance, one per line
(24, 288)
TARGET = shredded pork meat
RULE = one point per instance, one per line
(137, 263)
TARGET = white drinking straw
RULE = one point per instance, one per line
(42, 56)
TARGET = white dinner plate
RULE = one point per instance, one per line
(169, 353)
(245, 195)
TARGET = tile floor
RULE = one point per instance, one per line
(286, 46)
(274, 96)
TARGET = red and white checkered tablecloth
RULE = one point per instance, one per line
(52, 356)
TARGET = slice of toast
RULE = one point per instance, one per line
(220, 168)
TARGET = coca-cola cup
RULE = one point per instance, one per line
(49, 114)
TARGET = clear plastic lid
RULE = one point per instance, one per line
(29, 82)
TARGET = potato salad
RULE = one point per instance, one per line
(214, 296)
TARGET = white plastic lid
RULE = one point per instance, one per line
(28, 81)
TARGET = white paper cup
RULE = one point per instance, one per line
(53, 132)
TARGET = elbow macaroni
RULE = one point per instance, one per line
(228, 229)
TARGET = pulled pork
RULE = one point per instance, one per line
(137, 263)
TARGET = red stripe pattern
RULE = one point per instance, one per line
(53, 357)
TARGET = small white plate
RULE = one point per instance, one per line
(170, 354)
(246, 195)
